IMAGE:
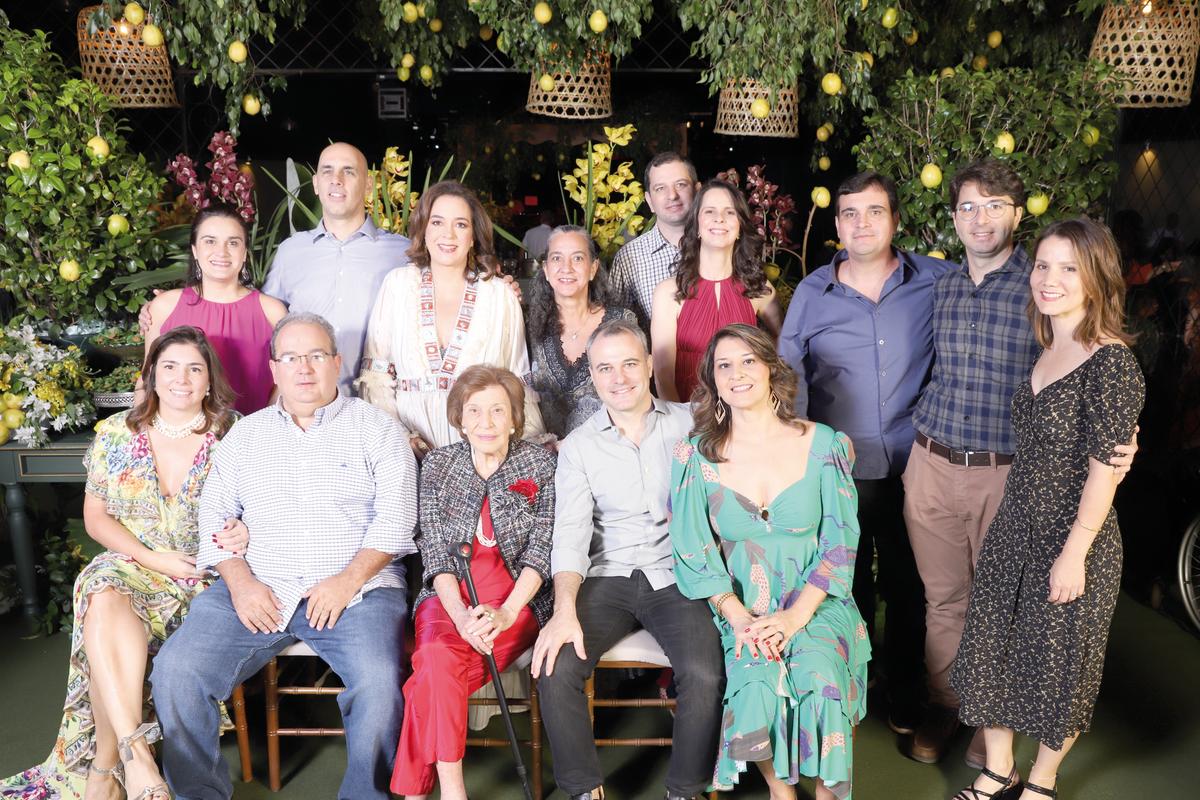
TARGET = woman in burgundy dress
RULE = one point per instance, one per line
(216, 298)
(719, 282)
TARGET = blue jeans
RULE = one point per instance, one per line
(212, 652)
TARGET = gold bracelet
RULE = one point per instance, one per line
(721, 600)
(1079, 522)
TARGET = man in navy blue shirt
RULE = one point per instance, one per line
(858, 334)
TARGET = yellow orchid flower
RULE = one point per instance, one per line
(620, 136)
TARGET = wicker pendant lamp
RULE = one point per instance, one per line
(734, 115)
(583, 94)
(1153, 45)
(125, 68)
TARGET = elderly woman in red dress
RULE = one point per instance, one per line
(497, 492)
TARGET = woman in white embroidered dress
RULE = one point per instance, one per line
(440, 314)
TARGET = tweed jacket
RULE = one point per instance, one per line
(451, 499)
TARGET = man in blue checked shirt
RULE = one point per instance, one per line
(858, 335)
(964, 442)
(327, 486)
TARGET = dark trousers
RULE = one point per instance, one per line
(608, 610)
(881, 518)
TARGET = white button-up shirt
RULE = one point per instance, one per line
(312, 499)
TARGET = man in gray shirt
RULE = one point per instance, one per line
(327, 486)
(336, 269)
(613, 571)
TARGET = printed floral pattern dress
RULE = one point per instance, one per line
(800, 712)
(120, 471)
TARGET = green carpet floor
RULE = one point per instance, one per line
(1145, 742)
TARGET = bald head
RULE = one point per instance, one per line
(340, 184)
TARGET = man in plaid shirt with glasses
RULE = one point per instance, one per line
(954, 481)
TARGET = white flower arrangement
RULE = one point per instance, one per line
(45, 388)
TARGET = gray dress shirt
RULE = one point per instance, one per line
(611, 510)
(316, 272)
(312, 499)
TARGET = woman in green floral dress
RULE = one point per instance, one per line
(765, 526)
(145, 470)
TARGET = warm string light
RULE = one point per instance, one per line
(123, 28)
(1148, 7)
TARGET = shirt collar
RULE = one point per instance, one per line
(1018, 262)
(324, 415)
(367, 229)
(657, 241)
(907, 267)
(605, 423)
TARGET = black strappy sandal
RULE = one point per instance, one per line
(1051, 793)
(1009, 791)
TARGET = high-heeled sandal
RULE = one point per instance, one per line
(1009, 791)
(116, 772)
(151, 733)
(1051, 793)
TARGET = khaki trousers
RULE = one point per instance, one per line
(947, 509)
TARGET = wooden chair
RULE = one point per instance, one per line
(273, 691)
(638, 650)
(237, 701)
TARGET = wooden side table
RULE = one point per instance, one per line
(59, 462)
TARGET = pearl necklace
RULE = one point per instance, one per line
(178, 431)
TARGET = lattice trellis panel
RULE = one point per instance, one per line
(1153, 46)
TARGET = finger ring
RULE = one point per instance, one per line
(490, 616)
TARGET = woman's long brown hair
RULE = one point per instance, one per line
(217, 405)
(1099, 261)
(481, 261)
(746, 252)
(712, 434)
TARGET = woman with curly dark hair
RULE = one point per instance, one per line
(569, 298)
(765, 526)
(719, 282)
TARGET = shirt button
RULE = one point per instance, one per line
(882, 373)
(881, 342)
(966, 418)
(972, 324)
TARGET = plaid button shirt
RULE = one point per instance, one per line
(639, 267)
(984, 348)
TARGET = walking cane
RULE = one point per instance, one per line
(462, 551)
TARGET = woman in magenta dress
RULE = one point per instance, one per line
(216, 298)
(719, 282)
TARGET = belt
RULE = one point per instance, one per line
(964, 458)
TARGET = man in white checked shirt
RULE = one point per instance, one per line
(327, 486)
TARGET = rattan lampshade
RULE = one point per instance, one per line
(1152, 44)
(133, 74)
(734, 117)
(583, 94)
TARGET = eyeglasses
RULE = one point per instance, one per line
(995, 209)
(294, 359)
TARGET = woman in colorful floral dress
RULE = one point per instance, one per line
(765, 526)
(145, 470)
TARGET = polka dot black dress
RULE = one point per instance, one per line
(1025, 663)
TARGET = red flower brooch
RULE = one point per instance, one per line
(525, 487)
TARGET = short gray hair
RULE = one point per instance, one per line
(593, 250)
(616, 327)
(304, 318)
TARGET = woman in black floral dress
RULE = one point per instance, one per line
(568, 300)
(1049, 571)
